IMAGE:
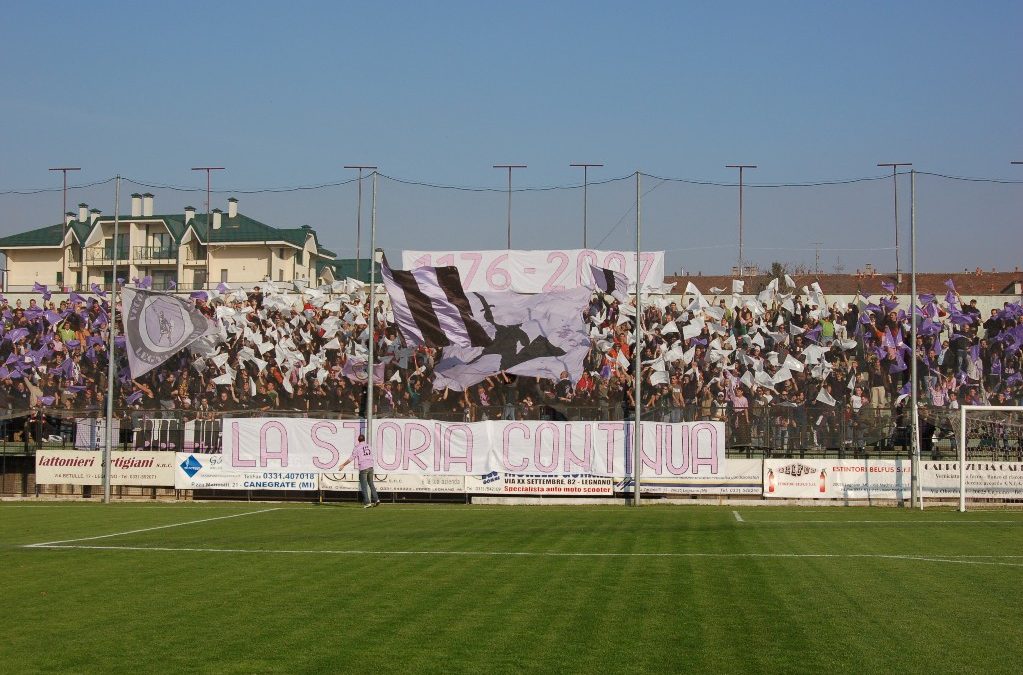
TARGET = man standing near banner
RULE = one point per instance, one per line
(362, 455)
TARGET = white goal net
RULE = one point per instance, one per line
(988, 460)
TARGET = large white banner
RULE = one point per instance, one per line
(424, 447)
(733, 477)
(197, 471)
(85, 467)
(984, 480)
(837, 478)
(539, 271)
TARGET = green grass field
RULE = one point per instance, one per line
(288, 588)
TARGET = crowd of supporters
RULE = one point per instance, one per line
(779, 363)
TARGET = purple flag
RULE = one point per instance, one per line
(131, 400)
(38, 288)
(888, 287)
(950, 285)
(17, 334)
(98, 291)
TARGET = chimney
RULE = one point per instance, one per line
(136, 205)
(189, 214)
(232, 207)
(83, 212)
(93, 216)
(147, 204)
(69, 217)
(217, 213)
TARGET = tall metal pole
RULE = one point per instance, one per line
(64, 224)
(209, 229)
(637, 439)
(916, 492)
(509, 167)
(358, 217)
(741, 168)
(111, 350)
(372, 310)
(586, 172)
(895, 186)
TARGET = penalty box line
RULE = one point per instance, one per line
(55, 544)
(952, 559)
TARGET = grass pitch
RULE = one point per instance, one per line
(287, 588)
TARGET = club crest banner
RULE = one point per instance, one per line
(157, 326)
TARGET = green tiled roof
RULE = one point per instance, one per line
(344, 268)
(44, 236)
(240, 229)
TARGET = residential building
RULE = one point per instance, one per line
(180, 249)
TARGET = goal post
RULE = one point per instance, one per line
(962, 437)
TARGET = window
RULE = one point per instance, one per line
(223, 276)
(60, 278)
(160, 242)
(280, 275)
(299, 257)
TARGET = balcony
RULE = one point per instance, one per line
(102, 255)
(168, 254)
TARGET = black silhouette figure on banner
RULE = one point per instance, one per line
(508, 338)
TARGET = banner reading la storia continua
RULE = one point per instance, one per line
(426, 447)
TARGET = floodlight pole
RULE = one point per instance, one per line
(637, 453)
(741, 168)
(586, 171)
(509, 167)
(64, 225)
(372, 309)
(111, 350)
(358, 216)
(207, 169)
(895, 187)
(916, 494)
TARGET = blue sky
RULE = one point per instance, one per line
(287, 93)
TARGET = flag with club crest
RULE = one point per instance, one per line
(157, 326)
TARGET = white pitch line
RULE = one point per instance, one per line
(542, 554)
(1018, 521)
(47, 544)
(738, 518)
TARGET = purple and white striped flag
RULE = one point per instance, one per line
(430, 307)
(615, 284)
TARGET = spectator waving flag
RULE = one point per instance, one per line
(431, 309)
(157, 326)
(613, 283)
